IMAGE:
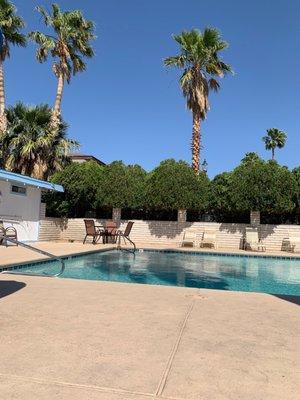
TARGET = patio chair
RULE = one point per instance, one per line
(111, 231)
(125, 235)
(92, 230)
(189, 238)
(8, 233)
(294, 241)
(2, 234)
(252, 241)
(209, 239)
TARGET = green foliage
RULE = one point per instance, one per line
(11, 25)
(199, 59)
(69, 42)
(29, 146)
(296, 174)
(174, 185)
(253, 185)
(220, 193)
(250, 157)
(263, 186)
(122, 186)
(81, 183)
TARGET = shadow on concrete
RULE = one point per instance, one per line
(291, 299)
(10, 287)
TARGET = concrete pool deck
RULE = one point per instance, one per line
(67, 339)
(12, 255)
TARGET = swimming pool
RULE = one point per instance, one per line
(224, 272)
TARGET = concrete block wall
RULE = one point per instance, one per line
(50, 229)
(229, 236)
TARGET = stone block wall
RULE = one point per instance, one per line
(147, 233)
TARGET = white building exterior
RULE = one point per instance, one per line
(20, 203)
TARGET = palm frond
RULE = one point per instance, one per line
(177, 61)
(214, 84)
(78, 64)
(45, 43)
(46, 17)
(71, 40)
(211, 37)
(185, 79)
(11, 25)
(32, 145)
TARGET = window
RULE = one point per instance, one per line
(18, 190)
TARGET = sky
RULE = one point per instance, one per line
(128, 106)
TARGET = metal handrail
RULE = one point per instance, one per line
(45, 253)
(129, 240)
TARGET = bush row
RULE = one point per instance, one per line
(93, 190)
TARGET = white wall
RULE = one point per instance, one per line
(21, 211)
(229, 236)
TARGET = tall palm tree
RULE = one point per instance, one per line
(68, 44)
(199, 59)
(32, 148)
(10, 27)
(275, 138)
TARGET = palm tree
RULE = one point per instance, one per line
(275, 138)
(31, 147)
(10, 25)
(68, 45)
(199, 59)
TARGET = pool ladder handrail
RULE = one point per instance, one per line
(45, 253)
(119, 247)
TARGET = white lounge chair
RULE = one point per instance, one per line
(189, 238)
(209, 239)
(252, 241)
(294, 241)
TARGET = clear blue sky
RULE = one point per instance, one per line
(128, 106)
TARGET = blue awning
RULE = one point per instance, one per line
(27, 180)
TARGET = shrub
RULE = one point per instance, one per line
(173, 185)
(81, 182)
(262, 185)
(121, 186)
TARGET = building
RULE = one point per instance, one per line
(81, 158)
(20, 203)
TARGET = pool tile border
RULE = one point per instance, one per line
(219, 253)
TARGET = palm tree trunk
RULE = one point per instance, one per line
(196, 143)
(57, 105)
(273, 154)
(60, 88)
(3, 120)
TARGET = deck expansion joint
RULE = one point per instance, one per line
(102, 389)
(164, 378)
(78, 385)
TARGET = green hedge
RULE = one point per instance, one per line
(255, 184)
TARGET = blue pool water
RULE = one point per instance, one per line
(250, 274)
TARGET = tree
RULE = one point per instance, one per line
(173, 185)
(68, 46)
(11, 25)
(262, 186)
(31, 147)
(199, 59)
(122, 186)
(250, 157)
(275, 138)
(81, 182)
